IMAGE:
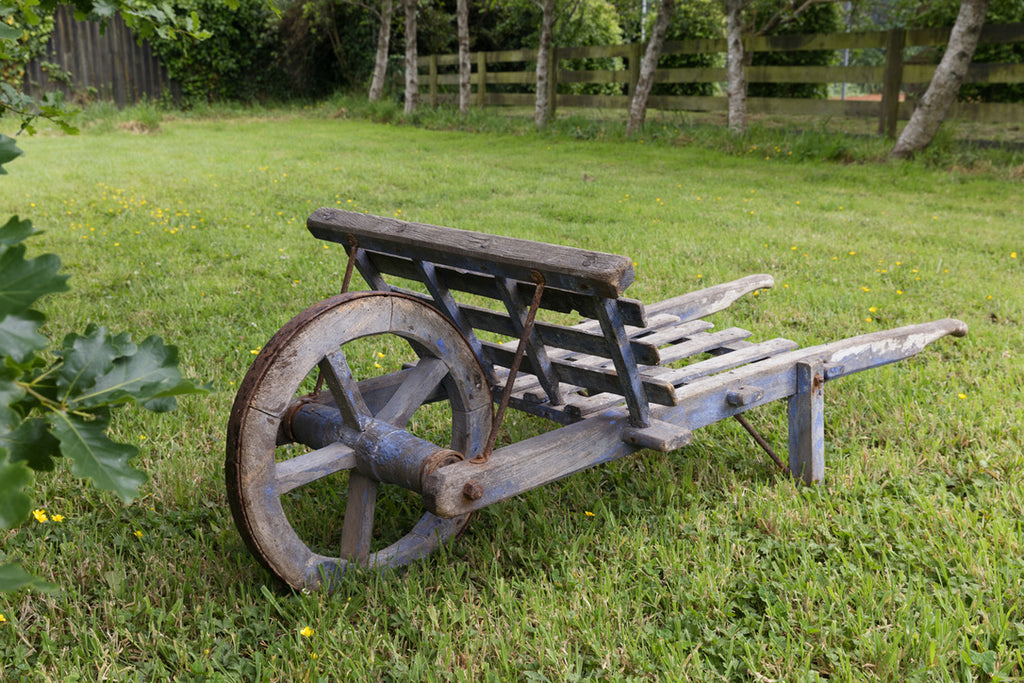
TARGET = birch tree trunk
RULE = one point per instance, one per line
(540, 112)
(735, 72)
(638, 105)
(465, 70)
(412, 76)
(380, 62)
(949, 76)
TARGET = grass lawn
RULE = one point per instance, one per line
(907, 563)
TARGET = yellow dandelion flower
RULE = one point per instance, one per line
(588, 513)
(306, 632)
(961, 396)
(40, 515)
(138, 534)
(866, 289)
(57, 518)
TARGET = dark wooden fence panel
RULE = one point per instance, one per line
(517, 67)
(82, 62)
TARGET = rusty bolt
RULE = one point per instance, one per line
(472, 491)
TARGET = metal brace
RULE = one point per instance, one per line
(506, 395)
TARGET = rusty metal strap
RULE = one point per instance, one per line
(353, 248)
(513, 370)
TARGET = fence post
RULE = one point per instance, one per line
(552, 82)
(433, 81)
(635, 55)
(481, 78)
(890, 108)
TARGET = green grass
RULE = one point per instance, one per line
(704, 564)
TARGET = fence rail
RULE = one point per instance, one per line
(892, 78)
(80, 60)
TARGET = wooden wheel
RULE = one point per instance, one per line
(306, 512)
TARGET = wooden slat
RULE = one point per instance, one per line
(554, 299)
(704, 302)
(703, 343)
(727, 361)
(658, 390)
(557, 336)
(579, 270)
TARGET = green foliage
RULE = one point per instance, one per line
(60, 406)
(823, 18)
(595, 22)
(20, 43)
(944, 12)
(233, 62)
(308, 34)
(8, 152)
(697, 19)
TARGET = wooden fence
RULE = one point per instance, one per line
(81, 61)
(891, 78)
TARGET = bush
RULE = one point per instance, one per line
(697, 19)
(944, 12)
(234, 63)
(824, 18)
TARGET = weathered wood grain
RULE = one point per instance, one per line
(553, 299)
(587, 272)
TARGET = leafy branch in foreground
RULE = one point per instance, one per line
(59, 405)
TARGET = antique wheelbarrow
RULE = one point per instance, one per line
(365, 431)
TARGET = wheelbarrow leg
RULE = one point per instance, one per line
(807, 423)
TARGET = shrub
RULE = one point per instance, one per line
(824, 18)
(233, 62)
(697, 19)
(944, 12)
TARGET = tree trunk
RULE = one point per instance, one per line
(735, 72)
(412, 76)
(949, 76)
(380, 63)
(540, 112)
(465, 69)
(638, 106)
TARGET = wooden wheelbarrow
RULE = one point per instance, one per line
(365, 431)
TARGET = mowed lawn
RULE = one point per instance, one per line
(702, 564)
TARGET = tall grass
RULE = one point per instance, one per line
(703, 564)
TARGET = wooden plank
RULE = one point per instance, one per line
(535, 350)
(727, 361)
(587, 272)
(553, 299)
(511, 77)
(703, 343)
(594, 76)
(633, 387)
(704, 302)
(814, 74)
(657, 389)
(557, 336)
(524, 465)
(594, 52)
(988, 112)
(806, 416)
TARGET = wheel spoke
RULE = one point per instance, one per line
(308, 467)
(417, 385)
(335, 371)
(358, 529)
